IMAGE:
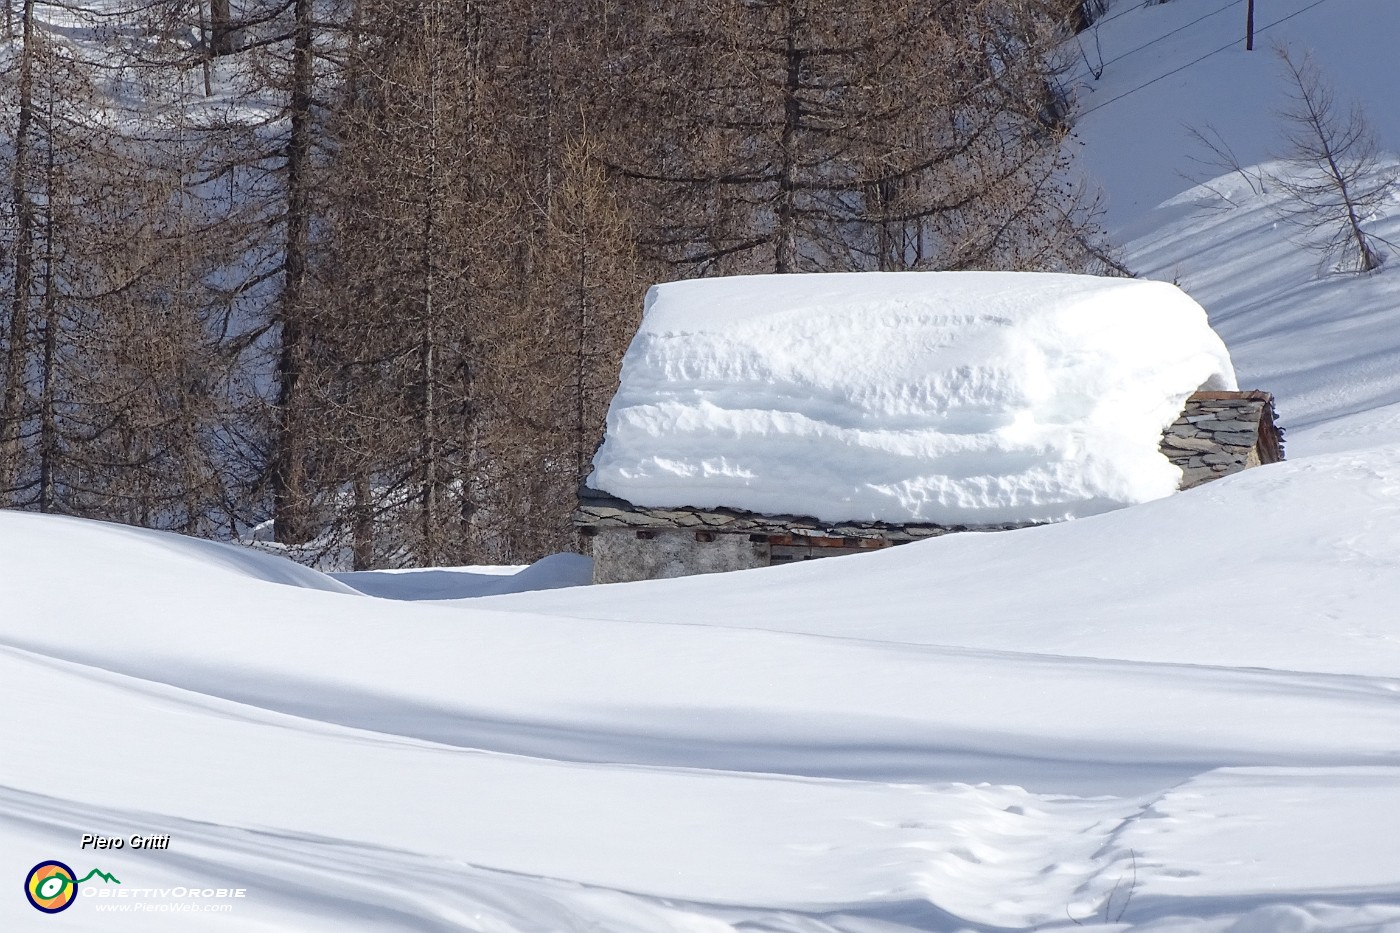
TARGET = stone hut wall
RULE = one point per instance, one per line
(621, 556)
(1220, 433)
(631, 542)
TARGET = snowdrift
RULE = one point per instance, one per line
(907, 397)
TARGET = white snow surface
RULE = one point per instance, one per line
(1181, 716)
(945, 397)
(548, 573)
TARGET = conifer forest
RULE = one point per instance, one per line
(354, 277)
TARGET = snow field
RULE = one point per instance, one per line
(441, 766)
(552, 572)
(1176, 717)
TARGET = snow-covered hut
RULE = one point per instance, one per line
(763, 419)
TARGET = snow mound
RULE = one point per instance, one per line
(946, 397)
(110, 549)
(552, 572)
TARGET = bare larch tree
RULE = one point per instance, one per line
(1337, 179)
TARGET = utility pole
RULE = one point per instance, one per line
(1249, 27)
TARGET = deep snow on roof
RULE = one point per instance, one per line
(952, 398)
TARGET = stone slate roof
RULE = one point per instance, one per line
(598, 510)
(1218, 433)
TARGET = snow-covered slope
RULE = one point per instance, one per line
(1179, 716)
(1327, 345)
(548, 573)
(807, 743)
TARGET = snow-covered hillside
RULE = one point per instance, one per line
(1328, 346)
(1180, 716)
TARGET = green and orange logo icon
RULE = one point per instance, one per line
(52, 886)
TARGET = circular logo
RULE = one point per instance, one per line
(50, 887)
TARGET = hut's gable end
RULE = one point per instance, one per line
(1220, 433)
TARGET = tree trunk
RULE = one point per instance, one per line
(362, 523)
(432, 479)
(48, 416)
(221, 28)
(291, 518)
(787, 257)
(12, 408)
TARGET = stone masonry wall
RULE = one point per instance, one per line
(1220, 433)
(620, 556)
